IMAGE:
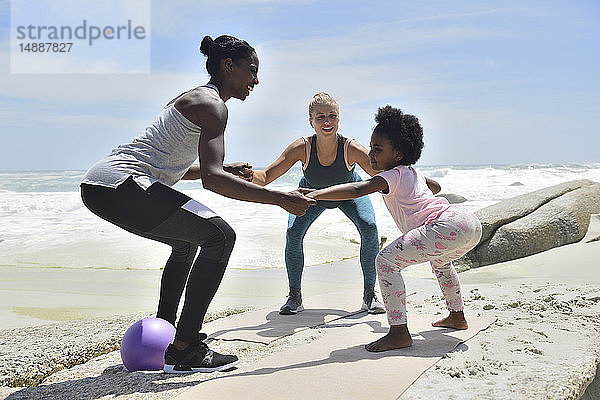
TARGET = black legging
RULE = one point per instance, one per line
(156, 214)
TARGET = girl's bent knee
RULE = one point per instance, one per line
(382, 264)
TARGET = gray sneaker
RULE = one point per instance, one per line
(293, 304)
(370, 302)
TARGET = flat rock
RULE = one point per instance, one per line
(31, 354)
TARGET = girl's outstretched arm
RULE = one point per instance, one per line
(347, 191)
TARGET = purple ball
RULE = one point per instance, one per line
(144, 344)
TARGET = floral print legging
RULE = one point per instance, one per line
(452, 234)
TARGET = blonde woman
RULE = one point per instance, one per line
(328, 159)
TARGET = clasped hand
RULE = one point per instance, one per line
(240, 169)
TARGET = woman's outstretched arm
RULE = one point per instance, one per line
(240, 169)
(293, 153)
(211, 150)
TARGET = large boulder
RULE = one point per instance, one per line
(593, 232)
(534, 222)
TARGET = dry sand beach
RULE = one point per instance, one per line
(542, 341)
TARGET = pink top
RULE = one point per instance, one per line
(409, 200)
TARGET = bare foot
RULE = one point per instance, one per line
(397, 338)
(455, 320)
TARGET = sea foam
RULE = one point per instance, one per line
(44, 223)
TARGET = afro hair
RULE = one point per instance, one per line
(403, 130)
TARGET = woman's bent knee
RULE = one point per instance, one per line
(223, 240)
(183, 251)
(227, 233)
(368, 230)
(294, 235)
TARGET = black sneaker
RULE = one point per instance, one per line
(293, 304)
(197, 357)
(370, 302)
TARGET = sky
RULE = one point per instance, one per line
(492, 82)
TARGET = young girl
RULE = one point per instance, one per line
(434, 230)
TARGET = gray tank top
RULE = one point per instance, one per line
(317, 176)
(163, 153)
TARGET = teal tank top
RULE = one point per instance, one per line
(317, 176)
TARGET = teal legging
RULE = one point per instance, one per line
(361, 213)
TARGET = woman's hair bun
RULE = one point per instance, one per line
(222, 47)
(206, 44)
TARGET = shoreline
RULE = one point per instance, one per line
(103, 293)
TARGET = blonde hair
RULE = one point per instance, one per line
(321, 98)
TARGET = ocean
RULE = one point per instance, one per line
(43, 222)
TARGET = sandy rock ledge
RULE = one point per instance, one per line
(545, 344)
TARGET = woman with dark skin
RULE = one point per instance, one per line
(132, 189)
